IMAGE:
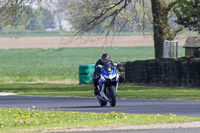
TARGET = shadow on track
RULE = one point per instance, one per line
(80, 107)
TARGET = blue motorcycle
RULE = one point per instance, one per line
(108, 84)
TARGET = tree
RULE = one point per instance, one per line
(161, 11)
(125, 22)
(25, 12)
(47, 19)
(40, 20)
(188, 14)
(95, 13)
(11, 10)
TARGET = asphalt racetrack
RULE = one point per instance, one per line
(134, 106)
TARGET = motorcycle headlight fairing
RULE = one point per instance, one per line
(110, 76)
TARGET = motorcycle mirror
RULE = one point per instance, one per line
(99, 66)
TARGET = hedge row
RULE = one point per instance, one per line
(179, 72)
(121, 66)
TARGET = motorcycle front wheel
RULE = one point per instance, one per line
(112, 96)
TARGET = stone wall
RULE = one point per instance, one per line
(171, 72)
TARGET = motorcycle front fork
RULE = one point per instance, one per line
(117, 86)
(101, 90)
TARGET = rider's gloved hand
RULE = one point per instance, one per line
(97, 75)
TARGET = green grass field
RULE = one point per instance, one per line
(126, 91)
(34, 65)
(18, 120)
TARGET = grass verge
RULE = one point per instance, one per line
(37, 120)
(126, 91)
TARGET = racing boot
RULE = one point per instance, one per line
(96, 91)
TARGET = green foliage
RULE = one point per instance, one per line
(31, 65)
(34, 25)
(15, 13)
(47, 19)
(38, 120)
(9, 31)
(187, 12)
(30, 19)
(38, 19)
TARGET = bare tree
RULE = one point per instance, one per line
(93, 14)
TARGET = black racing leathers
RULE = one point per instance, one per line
(97, 72)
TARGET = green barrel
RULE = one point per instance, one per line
(86, 74)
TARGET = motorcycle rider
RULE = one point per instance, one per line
(105, 58)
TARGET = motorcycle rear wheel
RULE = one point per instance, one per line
(112, 96)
